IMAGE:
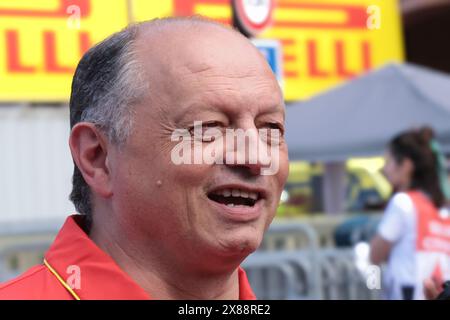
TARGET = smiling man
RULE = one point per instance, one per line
(149, 227)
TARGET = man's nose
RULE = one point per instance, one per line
(247, 168)
(242, 150)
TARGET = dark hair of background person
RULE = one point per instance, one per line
(416, 146)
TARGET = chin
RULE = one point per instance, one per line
(240, 243)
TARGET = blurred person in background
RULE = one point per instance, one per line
(414, 234)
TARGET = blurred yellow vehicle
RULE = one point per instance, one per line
(366, 188)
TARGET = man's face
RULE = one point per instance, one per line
(186, 210)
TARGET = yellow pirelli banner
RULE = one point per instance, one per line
(43, 40)
(323, 42)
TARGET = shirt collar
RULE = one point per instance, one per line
(74, 254)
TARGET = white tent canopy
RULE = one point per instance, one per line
(361, 116)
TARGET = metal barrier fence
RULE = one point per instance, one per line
(15, 258)
(288, 265)
(23, 245)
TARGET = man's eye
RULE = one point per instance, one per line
(276, 126)
(213, 124)
(202, 133)
(273, 133)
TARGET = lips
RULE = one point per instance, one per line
(235, 197)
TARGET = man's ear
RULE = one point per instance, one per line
(89, 148)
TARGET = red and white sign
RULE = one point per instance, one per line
(432, 243)
(253, 16)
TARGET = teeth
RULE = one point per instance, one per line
(253, 195)
(236, 193)
(230, 205)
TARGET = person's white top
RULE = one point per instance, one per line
(399, 226)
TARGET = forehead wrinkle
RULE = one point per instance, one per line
(195, 67)
(202, 70)
(226, 92)
(211, 78)
(193, 110)
(164, 62)
(169, 72)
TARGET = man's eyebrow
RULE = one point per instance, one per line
(191, 109)
(274, 109)
(196, 107)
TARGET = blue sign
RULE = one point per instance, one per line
(271, 49)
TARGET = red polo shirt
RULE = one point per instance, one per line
(101, 277)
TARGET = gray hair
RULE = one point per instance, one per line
(108, 81)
